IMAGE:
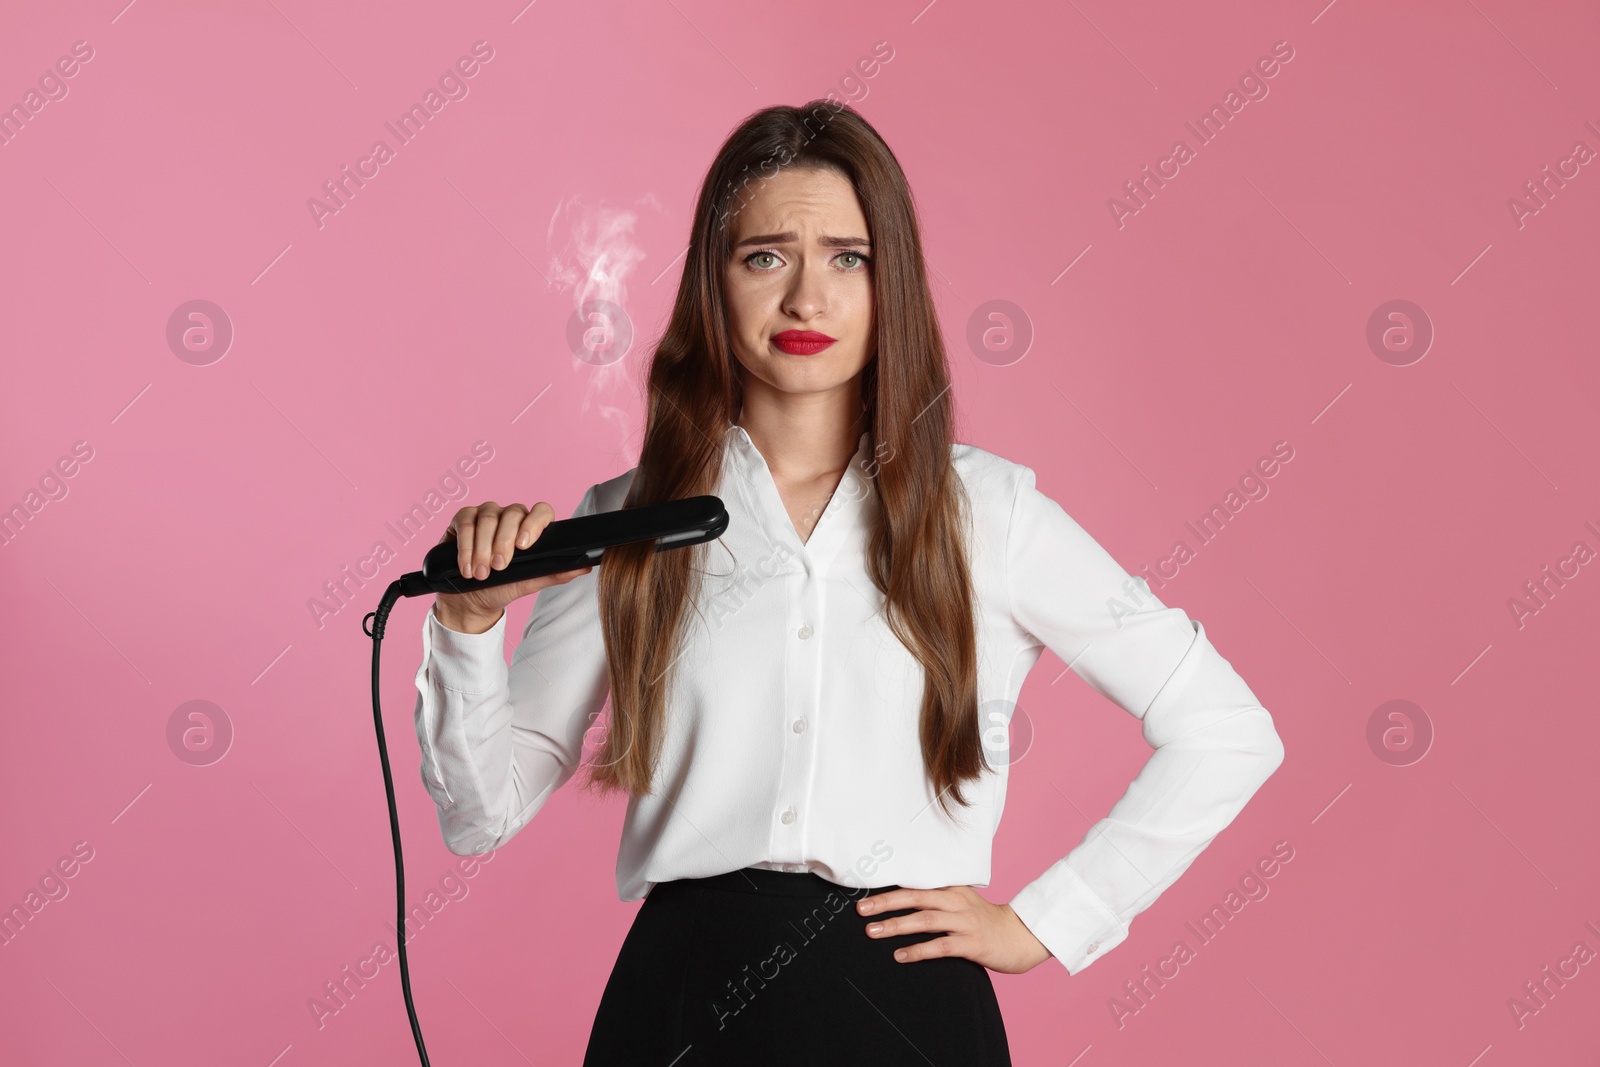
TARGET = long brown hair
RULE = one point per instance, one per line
(916, 555)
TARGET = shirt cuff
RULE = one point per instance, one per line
(1068, 917)
(468, 663)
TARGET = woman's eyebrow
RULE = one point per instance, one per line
(790, 236)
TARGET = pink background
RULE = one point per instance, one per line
(369, 354)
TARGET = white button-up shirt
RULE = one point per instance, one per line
(791, 726)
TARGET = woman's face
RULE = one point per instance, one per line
(800, 261)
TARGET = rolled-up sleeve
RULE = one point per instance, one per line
(498, 740)
(1214, 743)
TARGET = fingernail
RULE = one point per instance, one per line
(900, 954)
(865, 906)
(873, 928)
(499, 561)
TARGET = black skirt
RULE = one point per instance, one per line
(774, 968)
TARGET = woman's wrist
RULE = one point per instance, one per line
(465, 622)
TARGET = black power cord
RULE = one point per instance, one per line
(378, 619)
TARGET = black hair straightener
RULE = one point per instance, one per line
(568, 544)
(563, 545)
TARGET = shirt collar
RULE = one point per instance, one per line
(749, 459)
(846, 517)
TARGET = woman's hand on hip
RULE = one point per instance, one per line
(990, 934)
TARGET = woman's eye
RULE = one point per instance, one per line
(755, 259)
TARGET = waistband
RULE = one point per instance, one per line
(768, 882)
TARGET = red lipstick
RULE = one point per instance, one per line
(802, 342)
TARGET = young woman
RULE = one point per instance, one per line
(809, 713)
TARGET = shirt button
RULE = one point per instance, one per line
(788, 816)
(1094, 946)
(799, 726)
(806, 632)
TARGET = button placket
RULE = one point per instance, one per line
(802, 658)
(804, 654)
(785, 838)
